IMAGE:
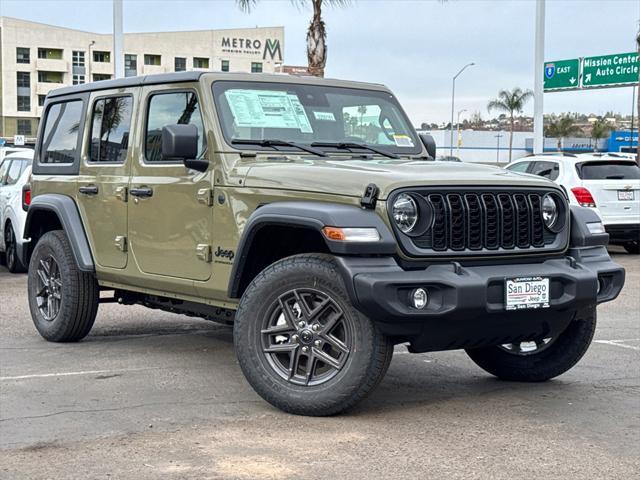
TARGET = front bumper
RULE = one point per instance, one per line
(466, 307)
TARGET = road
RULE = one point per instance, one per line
(154, 395)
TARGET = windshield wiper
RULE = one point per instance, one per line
(351, 145)
(267, 142)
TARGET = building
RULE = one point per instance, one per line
(36, 58)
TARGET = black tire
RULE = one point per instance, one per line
(77, 292)
(633, 248)
(365, 364)
(552, 360)
(13, 262)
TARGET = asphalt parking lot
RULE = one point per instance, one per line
(155, 395)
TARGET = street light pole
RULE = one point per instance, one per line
(453, 97)
(458, 132)
(118, 58)
(538, 81)
(498, 137)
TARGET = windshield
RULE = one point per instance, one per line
(312, 114)
(608, 170)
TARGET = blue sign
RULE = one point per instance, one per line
(550, 70)
(623, 140)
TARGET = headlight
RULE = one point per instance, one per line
(549, 211)
(405, 213)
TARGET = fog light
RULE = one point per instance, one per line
(420, 298)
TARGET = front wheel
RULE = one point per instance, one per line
(301, 344)
(632, 247)
(14, 264)
(539, 359)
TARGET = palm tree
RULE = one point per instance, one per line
(316, 34)
(561, 128)
(511, 102)
(600, 129)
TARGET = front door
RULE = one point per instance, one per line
(104, 177)
(170, 215)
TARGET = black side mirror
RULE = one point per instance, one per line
(180, 142)
(429, 143)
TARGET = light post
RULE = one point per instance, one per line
(458, 134)
(453, 97)
(498, 137)
(89, 59)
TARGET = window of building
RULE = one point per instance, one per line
(179, 64)
(60, 135)
(130, 65)
(110, 127)
(23, 55)
(97, 77)
(152, 59)
(256, 67)
(167, 109)
(49, 77)
(78, 58)
(78, 79)
(24, 103)
(24, 79)
(199, 62)
(23, 126)
(41, 99)
(102, 57)
(224, 65)
(50, 53)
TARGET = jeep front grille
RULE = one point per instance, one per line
(485, 220)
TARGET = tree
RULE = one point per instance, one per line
(316, 34)
(600, 129)
(561, 128)
(511, 102)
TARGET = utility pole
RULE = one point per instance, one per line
(118, 57)
(458, 134)
(453, 98)
(498, 137)
(538, 93)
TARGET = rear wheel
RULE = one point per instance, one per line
(633, 247)
(63, 300)
(14, 264)
(301, 344)
(540, 359)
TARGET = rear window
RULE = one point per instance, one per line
(608, 170)
(60, 136)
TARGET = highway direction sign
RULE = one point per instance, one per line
(610, 70)
(562, 75)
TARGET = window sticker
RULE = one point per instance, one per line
(324, 116)
(403, 140)
(267, 109)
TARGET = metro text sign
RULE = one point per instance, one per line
(610, 70)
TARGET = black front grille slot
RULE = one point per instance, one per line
(500, 220)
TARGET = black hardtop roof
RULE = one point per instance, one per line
(173, 77)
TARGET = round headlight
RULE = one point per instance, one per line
(549, 211)
(405, 213)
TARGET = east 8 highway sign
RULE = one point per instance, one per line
(562, 74)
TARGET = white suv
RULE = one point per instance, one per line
(607, 182)
(15, 170)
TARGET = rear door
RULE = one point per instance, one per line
(4, 194)
(615, 187)
(104, 176)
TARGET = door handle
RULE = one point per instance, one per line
(90, 190)
(144, 192)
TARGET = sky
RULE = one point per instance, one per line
(412, 46)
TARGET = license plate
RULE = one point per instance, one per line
(625, 195)
(526, 292)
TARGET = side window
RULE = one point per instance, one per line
(110, 126)
(14, 172)
(520, 167)
(60, 136)
(548, 170)
(170, 109)
(4, 167)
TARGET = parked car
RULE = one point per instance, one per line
(608, 183)
(15, 170)
(448, 158)
(4, 151)
(248, 199)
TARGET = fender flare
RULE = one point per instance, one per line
(580, 234)
(314, 216)
(66, 210)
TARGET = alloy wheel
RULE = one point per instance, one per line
(527, 348)
(10, 247)
(49, 288)
(306, 337)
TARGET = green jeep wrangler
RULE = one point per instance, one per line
(307, 213)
